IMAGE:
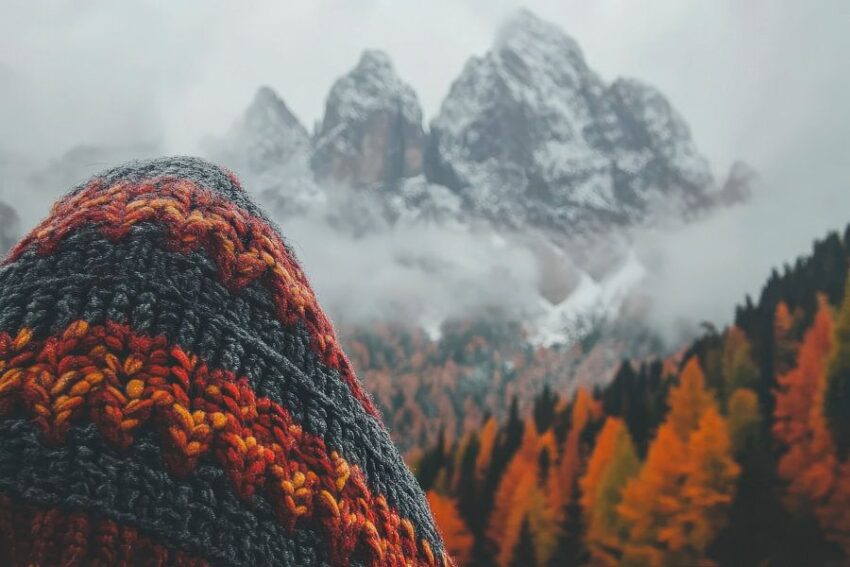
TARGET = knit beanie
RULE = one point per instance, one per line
(171, 393)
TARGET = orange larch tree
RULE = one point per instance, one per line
(600, 458)
(785, 345)
(708, 489)
(523, 464)
(520, 499)
(485, 449)
(688, 400)
(837, 399)
(562, 484)
(613, 462)
(652, 500)
(456, 535)
(808, 462)
(675, 506)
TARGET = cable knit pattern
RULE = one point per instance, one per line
(86, 346)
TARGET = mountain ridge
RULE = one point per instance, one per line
(529, 147)
(527, 121)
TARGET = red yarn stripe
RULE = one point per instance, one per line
(123, 381)
(244, 248)
(31, 535)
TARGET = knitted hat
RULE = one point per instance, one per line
(171, 392)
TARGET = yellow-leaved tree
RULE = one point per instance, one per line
(613, 462)
(676, 505)
(521, 500)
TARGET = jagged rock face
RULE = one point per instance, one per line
(270, 150)
(9, 227)
(371, 133)
(266, 136)
(530, 134)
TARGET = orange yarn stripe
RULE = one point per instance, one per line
(32, 535)
(244, 248)
(123, 381)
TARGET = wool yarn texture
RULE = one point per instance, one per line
(171, 392)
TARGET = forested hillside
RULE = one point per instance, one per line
(733, 452)
(424, 386)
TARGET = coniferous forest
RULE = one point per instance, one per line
(735, 451)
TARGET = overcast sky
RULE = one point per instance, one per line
(748, 75)
(767, 81)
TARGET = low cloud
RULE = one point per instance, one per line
(414, 273)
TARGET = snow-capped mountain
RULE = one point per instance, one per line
(529, 134)
(371, 133)
(271, 150)
(531, 148)
(266, 135)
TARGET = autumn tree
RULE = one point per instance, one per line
(708, 489)
(834, 513)
(652, 500)
(677, 503)
(563, 484)
(456, 535)
(838, 381)
(818, 482)
(744, 420)
(613, 462)
(486, 443)
(737, 366)
(600, 458)
(784, 343)
(520, 498)
(688, 400)
(799, 425)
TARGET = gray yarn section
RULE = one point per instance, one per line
(199, 514)
(138, 282)
(202, 172)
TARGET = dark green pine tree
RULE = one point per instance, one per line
(432, 462)
(761, 530)
(571, 549)
(639, 398)
(508, 441)
(524, 555)
(544, 408)
(837, 400)
(468, 495)
(543, 465)
(514, 429)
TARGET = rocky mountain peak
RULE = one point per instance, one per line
(537, 43)
(649, 121)
(372, 85)
(264, 139)
(371, 133)
(529, 134)
(269, 107)
(267, 134)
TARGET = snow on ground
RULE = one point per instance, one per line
(590, 302)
